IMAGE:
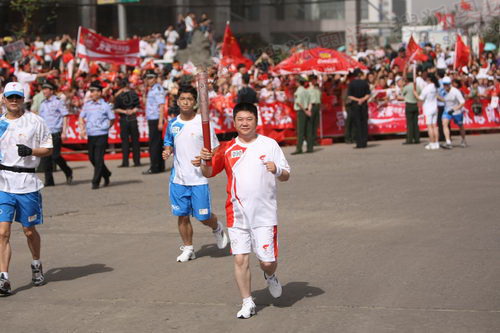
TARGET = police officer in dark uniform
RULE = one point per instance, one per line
(358, 92)
(54, 112)
(126, 105)
(155, 100)
(98, 117)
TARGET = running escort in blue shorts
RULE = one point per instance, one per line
(189, 190)
(24, 139)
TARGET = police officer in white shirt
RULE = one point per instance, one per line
(98, 117)
(155, 100)
(54, 112)
(24, 139)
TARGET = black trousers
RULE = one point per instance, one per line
(155, 147)
(316, 109)
(412, 130)
(48, 161)
(129, 131)
(440, 123)
(97, 148)
(349, 130)
(360, 118)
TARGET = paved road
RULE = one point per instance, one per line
(388, 239)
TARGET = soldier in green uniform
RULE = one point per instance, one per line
(411, 112)
(304, 123)
(315, 108)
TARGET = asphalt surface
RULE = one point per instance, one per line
(392, 238)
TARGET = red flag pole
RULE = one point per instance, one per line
(202, 80)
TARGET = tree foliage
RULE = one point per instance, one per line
(28, 9)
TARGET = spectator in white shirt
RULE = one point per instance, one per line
(171, 35)
(25, 78)
(236, 80)
(190, 21)
(266, 94)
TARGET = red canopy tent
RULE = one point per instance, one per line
(317, 61)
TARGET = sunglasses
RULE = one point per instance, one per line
(14, 97)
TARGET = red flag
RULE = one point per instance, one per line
(231, 52)
(414, 52)
(6, 65)
(230, 47)
(466, 6)
(462, 53)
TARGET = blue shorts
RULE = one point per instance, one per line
(190, 200)
(26, 207)
(457, 118)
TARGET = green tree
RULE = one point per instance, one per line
(27, 9)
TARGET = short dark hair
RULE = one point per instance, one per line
(245, 78)
(188, 89)
(123, 83)
(245, 107)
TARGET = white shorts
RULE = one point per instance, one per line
(262, 240)
(431, 118)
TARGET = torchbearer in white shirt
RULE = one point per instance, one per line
(252, 162)
(24, 139)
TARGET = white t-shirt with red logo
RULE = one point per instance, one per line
(251, 189)
(30, 130)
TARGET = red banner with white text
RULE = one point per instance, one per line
(389, 118)
(277, 119)
(95, 47)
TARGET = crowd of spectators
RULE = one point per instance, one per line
(48, 60)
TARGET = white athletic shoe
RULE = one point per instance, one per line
(221, 237)
(247, 310)
(435, 146)
(186, 255)
(273, 285)
(428, 146)
(463, 144)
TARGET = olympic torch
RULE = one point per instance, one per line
(202, 80)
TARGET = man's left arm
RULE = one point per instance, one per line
(278, 166)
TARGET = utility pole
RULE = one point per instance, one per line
(122, 21)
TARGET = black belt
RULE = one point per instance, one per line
(17, 169)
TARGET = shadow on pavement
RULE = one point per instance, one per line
(81, 181)
(211, 250)
(69, 273)
(292, 293)
(123, 182)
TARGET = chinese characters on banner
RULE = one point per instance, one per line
(95, 47)
(278, 118)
